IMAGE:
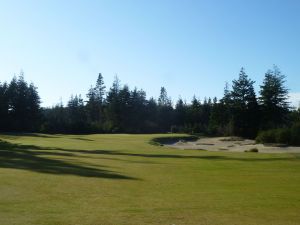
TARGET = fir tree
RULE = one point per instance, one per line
(273, 99)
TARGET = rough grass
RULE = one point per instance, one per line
(122, 179)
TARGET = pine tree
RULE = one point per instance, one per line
(76, 115)
(95, 104)
(226, 100)
(100, 89)
(163, 99)
(180, 113)
(4, 119)
(137, 111)
(33, 108)
(244, 106)
(165, 111)
(273, 99)
(113, 110)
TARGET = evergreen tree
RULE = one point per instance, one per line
(225, 119)
(124, 109)
(151, 116)
(76, 115)
(56, 119)
(33, 108)
(137, 111)
(227, 95)
(92, 106)
(4, 116)
(180, 113)
(113, 109)
(95, 103)
(205, 114)
(23, 105)
(217, 118)
(163, 99)
(244, 106)
(273, 99)
(100, 90)
(165, 111)
(194, 117)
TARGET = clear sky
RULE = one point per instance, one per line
(190, 47)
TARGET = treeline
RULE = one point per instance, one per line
(121, 110)
(19, 106)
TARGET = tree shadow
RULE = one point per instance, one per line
(26, 157)
(13, 135)
(177, 156)
(82, 139)
(35, 158)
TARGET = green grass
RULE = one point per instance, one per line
(122, 179)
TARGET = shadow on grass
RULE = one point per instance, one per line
(82, 139)
(66, 152)
(174, 156)
(34, 158)
(28, 157)
(13, 135)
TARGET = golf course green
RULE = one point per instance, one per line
(115, 179)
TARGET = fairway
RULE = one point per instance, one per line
(122, 179)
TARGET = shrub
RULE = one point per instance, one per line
(175, 129)
(233, 138)
(295, 134)
(288, 136)
(252, 150)
(283, 136)
(268, 136)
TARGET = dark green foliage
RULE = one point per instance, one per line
(19, 106)
(252, 150)
(273, 99)
(76, 115)
(268, 136)
(124, 110)
(244, 106)
(219, 119)
(129, 111)
(180, 116)
(288, 136)
(4, 112)
(95, 105)
(163, 99)
(55, 120)
(113, 109)
(295, 134)
(221, 115)
(164, 111)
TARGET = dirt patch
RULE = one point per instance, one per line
(232, 144)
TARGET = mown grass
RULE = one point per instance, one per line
(122, 179)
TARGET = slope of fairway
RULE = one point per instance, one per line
(122, 179)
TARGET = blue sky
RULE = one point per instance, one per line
(190, 47)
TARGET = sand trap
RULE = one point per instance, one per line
(231, 145)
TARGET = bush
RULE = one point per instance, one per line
(288, 136)
(252, 150)
(283, 136)
(175, 129)
(295, 134)
(268, 136)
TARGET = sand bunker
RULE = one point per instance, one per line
(232, 144)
